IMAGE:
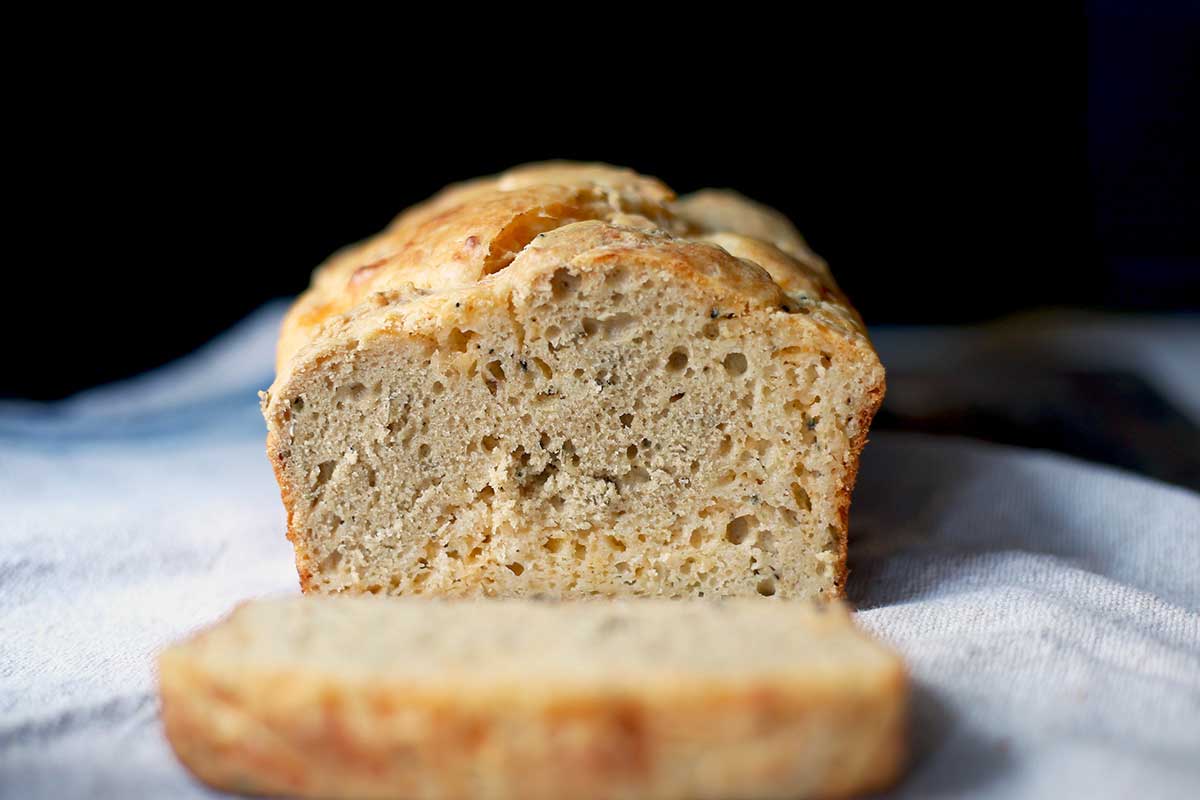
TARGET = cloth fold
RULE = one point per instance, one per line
(1049, 608)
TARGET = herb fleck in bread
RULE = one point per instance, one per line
(364, 697)
(561, 381)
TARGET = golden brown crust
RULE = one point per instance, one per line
(724, 210)
(856, 447)
(296, 728)
(596, 748)
(474, 230)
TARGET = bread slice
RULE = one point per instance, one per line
(562, 382)
(366, 697)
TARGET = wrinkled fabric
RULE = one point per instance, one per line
(1048, 608)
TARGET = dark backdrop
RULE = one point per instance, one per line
(950, 174)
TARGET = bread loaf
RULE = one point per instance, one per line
(365, 697)
(561, 382)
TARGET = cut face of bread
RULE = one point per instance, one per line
(369, 697)
(560, 382)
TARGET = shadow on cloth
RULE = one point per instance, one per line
(934, 729)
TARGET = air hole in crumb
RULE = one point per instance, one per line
(298, 405)
(563, 283)
(580, 550)
(521, 456)
(676, 397)
(553, 544)
(496, 370)
(617, 324)
(543, 441)
(544, 368)
(738, 527)
(437, 387)
(350, 392)
(826, 361)
(330, 562)
(490, 443)
(616, 544)
(590, 326)
(626, 420)
(517, 567)
(801, 497)
(324, 472)
(637, 475)
(578, 374)
(475, 553)
(697, 537)
(766, 587)
(710, 330)
(631, 452)
(557, 501)
(486, 494)
(735, 363)
(423, 451)
(685, 567)
(457, 340)
(677, 361)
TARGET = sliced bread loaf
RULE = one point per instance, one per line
(563, 382)
(363, 697)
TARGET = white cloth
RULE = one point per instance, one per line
(1049, 608)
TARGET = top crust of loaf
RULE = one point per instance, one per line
(461, 241)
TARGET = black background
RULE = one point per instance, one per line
(950, 172)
